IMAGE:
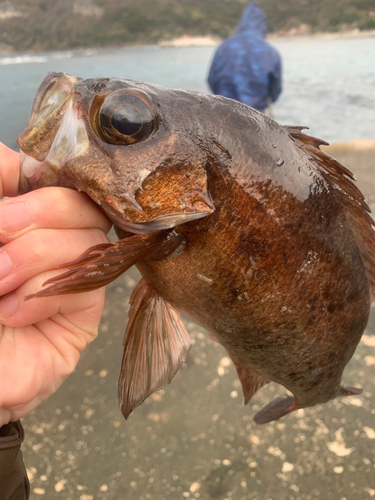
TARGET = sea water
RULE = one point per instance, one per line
(328, 85)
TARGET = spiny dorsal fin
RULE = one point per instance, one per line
(342, 179)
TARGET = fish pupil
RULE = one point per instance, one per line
(127, 120)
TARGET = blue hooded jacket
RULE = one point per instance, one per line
(245, 67)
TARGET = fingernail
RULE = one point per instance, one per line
(5, 264)
(14, 217)
(8, 306)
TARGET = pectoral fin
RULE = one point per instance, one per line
(102, 264)
(155, 345)
(275, 410)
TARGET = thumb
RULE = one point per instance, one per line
(9, 171)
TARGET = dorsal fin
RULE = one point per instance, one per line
(342, 179)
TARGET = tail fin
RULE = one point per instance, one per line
(275, 410)
(350, 391)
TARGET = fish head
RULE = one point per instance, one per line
(125, 143)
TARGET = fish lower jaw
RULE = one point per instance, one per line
(35, 174)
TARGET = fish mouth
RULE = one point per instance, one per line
(54, 134)
(71, 140)
(35, 174)
(49, 106)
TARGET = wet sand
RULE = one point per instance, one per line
(195, 439)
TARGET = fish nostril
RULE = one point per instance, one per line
(98, 86)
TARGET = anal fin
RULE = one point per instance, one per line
(250, 381)
(155, 345)
(276, 409)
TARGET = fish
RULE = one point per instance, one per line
(243, 225)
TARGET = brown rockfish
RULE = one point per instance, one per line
(242, 224)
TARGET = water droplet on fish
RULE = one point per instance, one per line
(280, 162)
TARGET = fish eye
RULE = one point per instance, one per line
(124, 117)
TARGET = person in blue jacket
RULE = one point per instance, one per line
(245, 67)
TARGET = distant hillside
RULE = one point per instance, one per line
(62, 24)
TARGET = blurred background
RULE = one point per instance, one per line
(195, 439)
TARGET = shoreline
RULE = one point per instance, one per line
(199, 41)
(322, 36)
(205, 41)
(354, 145)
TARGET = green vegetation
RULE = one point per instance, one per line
(61, 24)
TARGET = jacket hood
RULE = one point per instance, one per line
(253, 19)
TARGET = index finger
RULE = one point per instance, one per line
(9, 171)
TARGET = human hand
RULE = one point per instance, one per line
(41, 339)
